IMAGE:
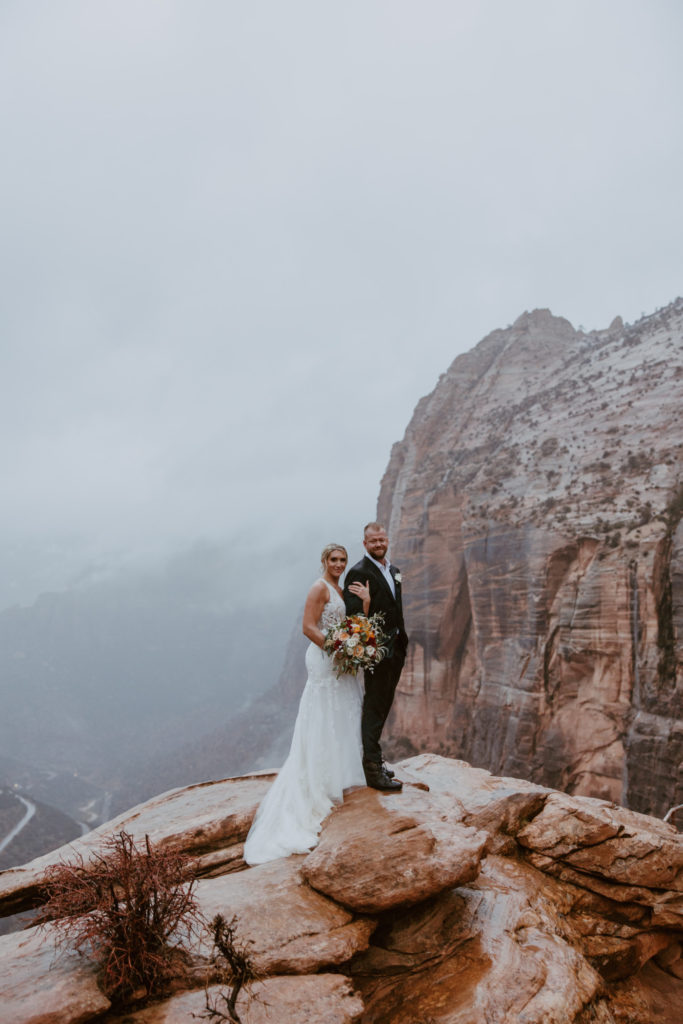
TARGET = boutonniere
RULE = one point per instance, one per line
(397, 577)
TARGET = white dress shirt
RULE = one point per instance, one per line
(384, 569)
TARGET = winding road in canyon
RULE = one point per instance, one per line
(13, 833)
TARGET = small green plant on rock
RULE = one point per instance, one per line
(131, 910)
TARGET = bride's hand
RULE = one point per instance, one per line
(363, 592)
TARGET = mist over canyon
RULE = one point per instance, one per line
(98, 680)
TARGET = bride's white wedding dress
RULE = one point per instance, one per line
(325, 758)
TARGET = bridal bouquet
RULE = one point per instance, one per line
(356, 642)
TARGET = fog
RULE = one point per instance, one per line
(240, 241)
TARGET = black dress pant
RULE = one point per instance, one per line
(380, 687)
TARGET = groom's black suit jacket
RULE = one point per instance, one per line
(381, 600)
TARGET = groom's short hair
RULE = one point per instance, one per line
(375, 527)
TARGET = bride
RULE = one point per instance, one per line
(326, 755)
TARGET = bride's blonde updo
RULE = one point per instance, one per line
(327, 551)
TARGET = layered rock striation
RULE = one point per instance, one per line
(534, 507)
(466, 899)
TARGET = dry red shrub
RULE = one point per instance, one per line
(132, 910)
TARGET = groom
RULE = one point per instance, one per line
(384, 581)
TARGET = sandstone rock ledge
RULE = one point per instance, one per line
(466, 899)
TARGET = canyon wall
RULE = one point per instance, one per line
(534, 507)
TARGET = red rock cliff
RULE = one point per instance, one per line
(534, 506)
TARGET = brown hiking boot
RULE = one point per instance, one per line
(376, 778)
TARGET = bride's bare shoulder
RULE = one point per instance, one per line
(319, 589)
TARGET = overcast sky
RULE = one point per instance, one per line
(240, 240)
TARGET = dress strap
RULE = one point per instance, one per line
(331, 592)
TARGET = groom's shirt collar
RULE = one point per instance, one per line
(384, 569)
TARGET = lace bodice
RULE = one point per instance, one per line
(333, 611)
